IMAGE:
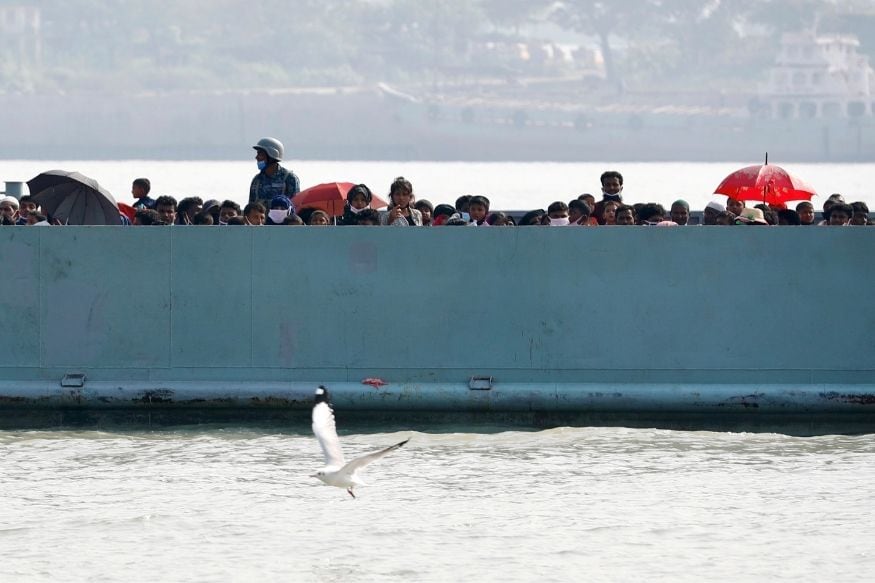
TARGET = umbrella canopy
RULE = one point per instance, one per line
(73, 198)
(765, 183)
(330, 197)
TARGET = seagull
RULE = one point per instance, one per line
(337, 472)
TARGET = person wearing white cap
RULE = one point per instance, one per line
(711, 212)
(8, 210)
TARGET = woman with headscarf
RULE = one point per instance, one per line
(357, 199)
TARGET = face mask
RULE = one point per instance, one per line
(466, 217)
(277, 215)
(354, 210)
(617, 197)
(262, 164)
(561, 222)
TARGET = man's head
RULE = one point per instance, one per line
(268, 151)
(711, 212)
(839, 214)
(26, 206)
(612, 185)
(254, 213)
(651, 213)
(680, 212)
(861, 213)
(228, 210)
(805, 210)
(558, 214)
(9, 207)
(188, 207)
(166, 207)
(625, 215)
(734, 206)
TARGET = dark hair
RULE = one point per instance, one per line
(789, 217)
(651, 211)
(187, 203)
(230, 204)
(368, 215)
(611, 174)
(580, 206)
(423, 204)
(293, 219)
(841, 207)
(143, 183)
(860, 207)
(238, 220)
(203, 218)
(498, 218)
(804, 204)
(165, 200)
(531, 218)
(462, 202)
(557, 206)
(26, 198)
(148, 217)
(400, 184)
(318, 212)
(481, 200)
(626, 207)
(254, 206)
(443, 209)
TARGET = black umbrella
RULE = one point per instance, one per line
(73, 198)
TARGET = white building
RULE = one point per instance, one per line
(819, 77)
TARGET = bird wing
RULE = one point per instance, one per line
(326, 434)
(360, 462)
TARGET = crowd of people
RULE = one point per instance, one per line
(273, 190)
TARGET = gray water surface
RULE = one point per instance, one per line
(603, 504)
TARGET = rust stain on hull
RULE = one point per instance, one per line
(853, 398)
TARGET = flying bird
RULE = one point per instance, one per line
(337, 472)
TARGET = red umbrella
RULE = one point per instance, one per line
(765, 183)
(330, 197)
(127, 210)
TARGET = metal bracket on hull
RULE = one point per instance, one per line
(480, 383)
(73, 379)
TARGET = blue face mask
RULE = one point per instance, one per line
(262, 164)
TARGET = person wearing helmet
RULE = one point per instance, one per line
(272, 179)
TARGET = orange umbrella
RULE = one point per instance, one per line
(330, 197)
(765, 183)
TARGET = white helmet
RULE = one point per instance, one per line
(271, 146)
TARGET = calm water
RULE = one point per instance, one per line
(557, 505)
(508, 185)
